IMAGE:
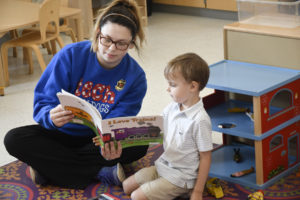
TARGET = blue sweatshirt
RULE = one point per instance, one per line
(114, 92)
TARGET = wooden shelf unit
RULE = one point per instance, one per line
(260, 89)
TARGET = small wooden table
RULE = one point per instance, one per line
(19, 14)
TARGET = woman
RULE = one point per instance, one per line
(101, 72)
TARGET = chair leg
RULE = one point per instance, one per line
(4, 55)
(60, 42)
(53, 47)
(72, 35)
(2, 83)
(13, 35)
(15, 52)
(28, 53)
(39, 56)
(25, 58)
(47, 46)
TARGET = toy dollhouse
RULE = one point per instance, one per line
(266, 130)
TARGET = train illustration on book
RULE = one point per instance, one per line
(134, 133)
(128, 130)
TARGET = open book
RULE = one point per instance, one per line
(130, 131)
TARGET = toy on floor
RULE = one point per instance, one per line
(243, 172)
(237, 156)
(259, 195)
(214, 187)
(247, 111)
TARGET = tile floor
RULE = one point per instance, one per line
(168, 35)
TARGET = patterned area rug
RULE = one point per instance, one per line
(15, 184)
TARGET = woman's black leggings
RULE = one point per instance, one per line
(64, 160)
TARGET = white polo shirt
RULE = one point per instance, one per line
(186, 133)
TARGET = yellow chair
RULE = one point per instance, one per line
(48, 13)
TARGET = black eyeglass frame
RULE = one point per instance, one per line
(116, 43)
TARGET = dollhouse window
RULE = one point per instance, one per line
(280, 101)
(276, 142)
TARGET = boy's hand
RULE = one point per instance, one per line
(110, 151)
(60, 116)
(196, 195)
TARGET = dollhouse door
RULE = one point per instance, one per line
(293, 149)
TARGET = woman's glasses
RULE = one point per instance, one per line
(120, 45)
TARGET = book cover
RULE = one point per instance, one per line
(130, 131)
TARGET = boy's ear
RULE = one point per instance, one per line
(195, 85)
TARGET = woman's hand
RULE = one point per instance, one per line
(59, 116)
(96, 140)
(110, 151)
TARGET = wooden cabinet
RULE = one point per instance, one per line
(266, 45)
(229, 5)
(190, 3)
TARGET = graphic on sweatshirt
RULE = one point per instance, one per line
(120, 85)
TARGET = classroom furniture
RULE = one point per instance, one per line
(226, 5)
(266, 45)
(48, 14)
(65, 25)
(191, 3)
(267, 134)
(13, 16)
(86, 16)
(142, 5)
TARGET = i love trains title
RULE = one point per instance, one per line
(135, 120)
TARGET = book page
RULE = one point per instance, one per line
(133, 131)
(84, 112)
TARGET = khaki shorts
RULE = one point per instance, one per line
(156, 187)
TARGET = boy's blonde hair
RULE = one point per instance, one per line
(124, 13)
(191, 66)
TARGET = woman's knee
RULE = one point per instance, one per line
(10, 137)
(14, 139)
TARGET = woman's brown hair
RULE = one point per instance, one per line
(124, 13)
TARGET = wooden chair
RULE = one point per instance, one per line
(48, 13)
(65, 27)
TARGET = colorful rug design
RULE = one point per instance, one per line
(15, 184)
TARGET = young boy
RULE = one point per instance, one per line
(183, 167)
